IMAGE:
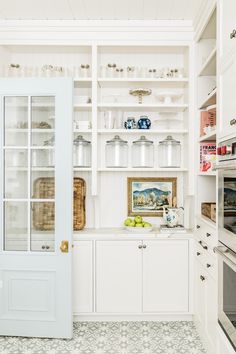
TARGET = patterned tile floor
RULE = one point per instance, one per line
(114, 338)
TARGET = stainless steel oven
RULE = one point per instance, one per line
(227, 193)
(227, 292)
(227, 236)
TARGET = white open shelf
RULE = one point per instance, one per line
(149, 107)
(147, 169)
(207, 174)
(209, 100)
(154, 82)
(208, 137)
(209, 67)
(86, 106)
(142, 131)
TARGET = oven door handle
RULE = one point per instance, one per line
(224, 253)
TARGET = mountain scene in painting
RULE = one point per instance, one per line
(151, 199)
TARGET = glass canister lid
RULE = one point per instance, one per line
(80, 140)
(143, 140)
(170, 141)
(117, 140)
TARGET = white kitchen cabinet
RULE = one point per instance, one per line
(200, 290)
(206, 306)
(227, 26)
(142, 276)
(83, 277)
(227, 122)
(118, 276)
(165, 276)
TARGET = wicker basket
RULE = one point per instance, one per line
(44, 212)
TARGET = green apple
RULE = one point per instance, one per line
(147, 224)
(139, 225)
(128, 221)
(132, 224)
(138, 219)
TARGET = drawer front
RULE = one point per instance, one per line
(207, 258)
(206, 233)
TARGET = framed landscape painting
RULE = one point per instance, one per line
(147, 196)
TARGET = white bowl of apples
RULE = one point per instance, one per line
(137, 225)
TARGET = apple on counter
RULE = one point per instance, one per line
(137, 222)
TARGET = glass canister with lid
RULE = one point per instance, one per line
(50, 153)
(82, 152)
(169, 152)
(142, 152)
(116, 152)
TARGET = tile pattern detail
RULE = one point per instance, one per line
(114, 338)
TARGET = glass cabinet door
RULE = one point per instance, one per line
(29, 173)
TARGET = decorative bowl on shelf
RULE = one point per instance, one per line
(138, 230)
(168, 97)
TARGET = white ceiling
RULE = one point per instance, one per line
(100, 9)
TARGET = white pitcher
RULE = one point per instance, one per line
(171, 216)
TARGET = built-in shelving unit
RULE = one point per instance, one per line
(206, 102)
(97, 93)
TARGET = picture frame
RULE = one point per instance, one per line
(147, 195)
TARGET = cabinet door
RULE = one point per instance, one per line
(83, 277)
(118, 276)
(227, 26)
(200, 290)
(227, 123)
(165, 276)
(211, 310)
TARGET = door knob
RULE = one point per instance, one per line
(64, 246)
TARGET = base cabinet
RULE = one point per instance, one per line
(118, 276)
(142, 276)
(165, 276)
(206, 306)
(83, 277)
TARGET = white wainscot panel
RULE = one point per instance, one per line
(28, 295)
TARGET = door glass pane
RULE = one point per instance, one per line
(42, 121)
(42, 174)
(16, 162)
(16, 121)
(15, 215)
(42, 226)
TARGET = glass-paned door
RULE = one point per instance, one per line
(36, 207)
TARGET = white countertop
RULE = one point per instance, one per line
(121, 233)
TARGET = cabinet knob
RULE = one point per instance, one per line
(43, 247)
(202, 277)
(198, 253)
(47, 247)
(207, 234)
(198, 226)
(233, 34)
(208, 265)
(140, 246)
(232, 121)
(144, 246)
